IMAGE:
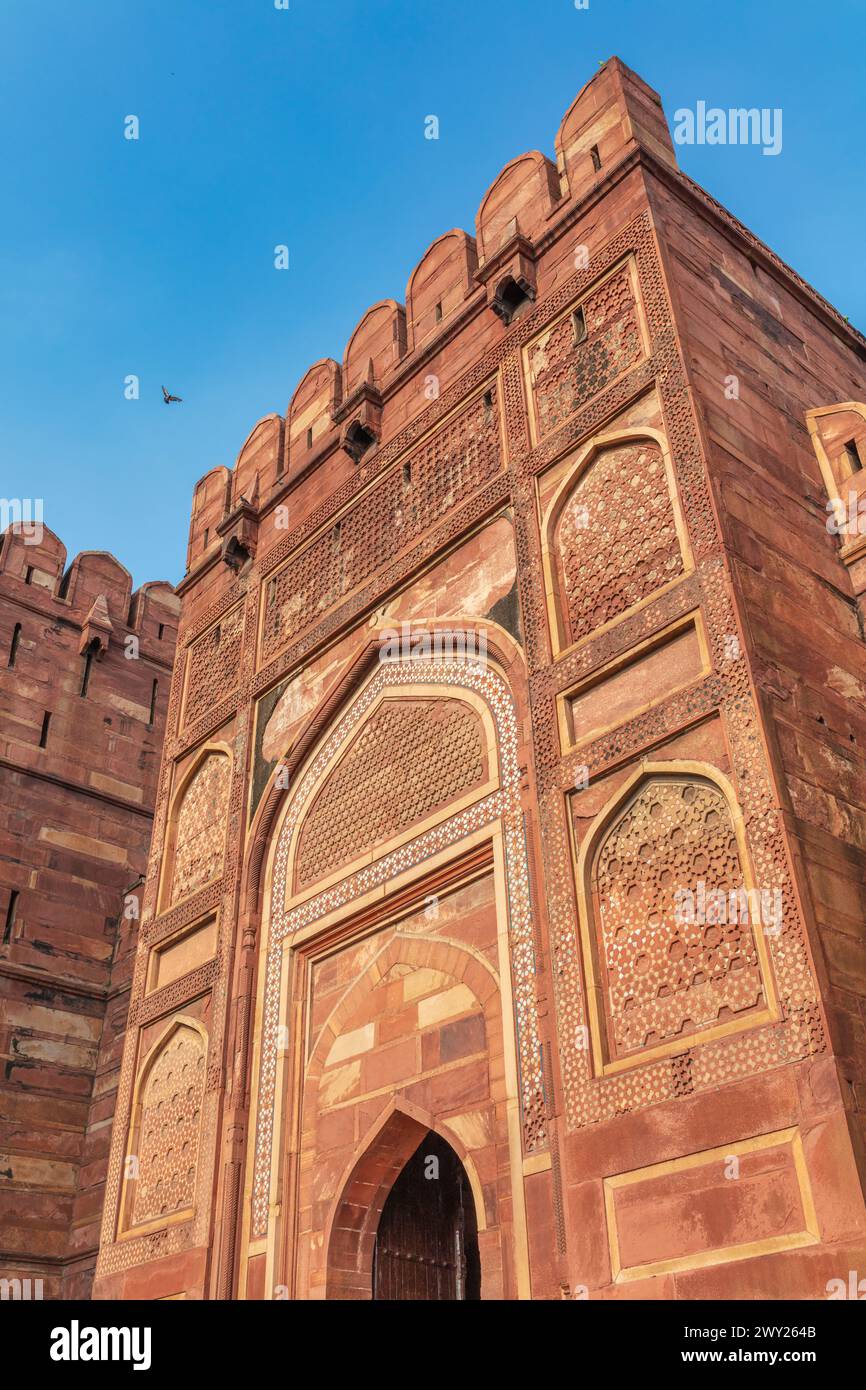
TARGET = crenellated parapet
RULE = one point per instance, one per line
(93, 591)
(400, 356)
(341, 412)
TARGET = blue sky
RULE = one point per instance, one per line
(306, 127)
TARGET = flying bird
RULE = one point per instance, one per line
(168, 398)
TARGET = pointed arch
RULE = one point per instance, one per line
(660, 972)
(161, 1161)
(490, 828)
(575, 608)
(836, 469)
(364, 1188)
(421, 953)
(195, 839)
(502, 650)
(447, 735)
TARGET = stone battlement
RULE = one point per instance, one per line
(400, 356)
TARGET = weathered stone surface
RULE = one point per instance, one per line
(75, 825)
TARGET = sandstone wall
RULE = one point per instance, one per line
(78, 771)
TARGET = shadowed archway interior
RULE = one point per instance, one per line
(426, 1246)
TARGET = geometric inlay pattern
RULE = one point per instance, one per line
(565, 375)
(411, 758)
(616, 540)
(201, 827)
(169, 1127)
(673, 966)
(404, 505)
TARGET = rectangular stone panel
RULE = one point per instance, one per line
(730, 1203)
(439, 473)
(182, 954)
(657, 670)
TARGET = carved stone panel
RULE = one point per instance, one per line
(169, 1126)
(615, 540)
(676, 942)
(213, 666)
(583, 352)
(200, 829)
(411, 758)
(441, 472)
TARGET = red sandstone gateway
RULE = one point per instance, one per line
(416, 1012)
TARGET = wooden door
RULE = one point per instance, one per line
(426, 1243)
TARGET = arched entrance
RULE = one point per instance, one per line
(405, 964)
(426, 1246)
(355, 1238)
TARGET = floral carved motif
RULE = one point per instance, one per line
(213, 666)
(678, 952)
(501, 805)
(170, 1123)
(201, 827)
(403, 506)
(616, 538)
(565, 373)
